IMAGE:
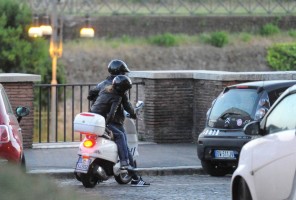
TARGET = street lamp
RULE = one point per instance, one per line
(34, 30)
(55, 50)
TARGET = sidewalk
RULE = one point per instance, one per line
(59, 159)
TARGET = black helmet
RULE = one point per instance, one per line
(117, 67)
(122, 83)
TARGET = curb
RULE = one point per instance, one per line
(154, 171)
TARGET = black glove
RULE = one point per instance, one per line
(133, 115)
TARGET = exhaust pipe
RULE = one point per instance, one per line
(100, 172)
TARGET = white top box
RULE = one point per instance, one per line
(89, 123)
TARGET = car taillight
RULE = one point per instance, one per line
(4, 134)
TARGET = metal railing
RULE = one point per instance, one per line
(169, 7)
(71, 99)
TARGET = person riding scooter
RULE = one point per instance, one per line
(115, 67)
(108, 104)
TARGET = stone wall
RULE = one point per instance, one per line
(176, 102)
(19, 89)
(143, 26)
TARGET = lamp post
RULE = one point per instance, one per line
(55, 51)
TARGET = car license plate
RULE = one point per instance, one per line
(83, 165)
(224, 154)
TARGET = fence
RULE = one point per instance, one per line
(71, 99)
(169, 7)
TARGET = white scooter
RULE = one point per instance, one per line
(98, 157)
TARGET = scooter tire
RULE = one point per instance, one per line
(124, 178)
(88, 181)
(77, 176)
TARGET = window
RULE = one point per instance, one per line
(283, 116)
(6, 102)
(243, 99)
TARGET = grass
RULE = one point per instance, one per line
(269, 32)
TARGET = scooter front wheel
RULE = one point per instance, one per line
(88, 180)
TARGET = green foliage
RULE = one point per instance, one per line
(245, 37)
(292, 33)
(218, 39)
(18, 52)
(269, 29)
(166, 40)
(282, 56)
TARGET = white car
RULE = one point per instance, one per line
(267, 165)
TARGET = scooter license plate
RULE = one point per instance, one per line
(83, 164)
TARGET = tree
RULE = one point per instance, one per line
(18, 52)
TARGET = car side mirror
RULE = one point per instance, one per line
(21, 111)
(252, 128)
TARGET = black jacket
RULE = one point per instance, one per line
(94, 93)
(107, 104)
(125, 103)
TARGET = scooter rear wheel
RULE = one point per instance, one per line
(88, 181)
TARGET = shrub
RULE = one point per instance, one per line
(166, 40)
(245, 37)
(282, 56)
(269, 29)
(218, 39)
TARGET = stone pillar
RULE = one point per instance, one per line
(19, 89)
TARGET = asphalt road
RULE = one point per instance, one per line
(189, 187)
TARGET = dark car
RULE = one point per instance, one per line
(220, 143)
(11, 141)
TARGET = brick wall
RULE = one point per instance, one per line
(22, 95)
(19, 89)
(168, 110)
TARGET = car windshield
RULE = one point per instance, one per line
(239, 102)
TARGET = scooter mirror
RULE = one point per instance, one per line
(140, 104)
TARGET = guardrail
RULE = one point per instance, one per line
(71, 99)
(169, 7)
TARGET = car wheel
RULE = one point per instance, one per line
(23, 163)
(243, 191)
(214, 170)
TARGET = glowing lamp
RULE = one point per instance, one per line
(35, 32)
(87, 32)
(46, 29)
